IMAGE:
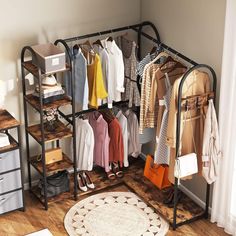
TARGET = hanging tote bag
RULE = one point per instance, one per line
(157, 174)
(187, 164)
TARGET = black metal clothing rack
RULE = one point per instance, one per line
(139, 29)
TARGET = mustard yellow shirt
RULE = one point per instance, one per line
(95, 81)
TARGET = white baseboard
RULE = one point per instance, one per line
(194, 197)
(34, 183)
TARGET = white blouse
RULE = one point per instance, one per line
(211, 145)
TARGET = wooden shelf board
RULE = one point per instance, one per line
(60, 132)
(133, 179)
(28, 65)
(60, 197)
(7, 121)
(52, 168)
(13, 145)
(34, 102)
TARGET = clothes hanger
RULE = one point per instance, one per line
(98, 42)
(177, 65)
(110, 38)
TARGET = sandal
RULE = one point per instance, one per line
(115, 168)
(111, 175)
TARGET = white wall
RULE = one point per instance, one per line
(28, 22)
(194, 28)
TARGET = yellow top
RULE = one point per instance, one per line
(95, 81)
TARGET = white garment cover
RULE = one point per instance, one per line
(211, 145)
(224, 194)
(84, 145)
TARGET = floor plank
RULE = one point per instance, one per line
(36, 218)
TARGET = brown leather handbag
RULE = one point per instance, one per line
(157, 174)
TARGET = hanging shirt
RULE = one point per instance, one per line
(95, 80)
(103, 54)
(134, 147)
(124, 126)
(148, 119)
(84, 145)
(115, 82)
(81, 81)
(101, 136)
(130, 62)
(162, 153)
(211, 145)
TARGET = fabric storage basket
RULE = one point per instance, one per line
(50, 58)
(11, 201)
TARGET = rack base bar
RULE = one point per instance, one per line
(188, 221)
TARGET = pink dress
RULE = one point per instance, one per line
(101, 137)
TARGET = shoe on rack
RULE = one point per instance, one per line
(81, 183)
(169, 198)
(179, 196)
(116, 170)
(88, 181)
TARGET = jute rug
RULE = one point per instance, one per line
(114, 214)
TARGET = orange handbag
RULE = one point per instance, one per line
(157, 174)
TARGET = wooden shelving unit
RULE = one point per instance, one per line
(11, 164)
(39, 131)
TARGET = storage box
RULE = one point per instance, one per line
(50, 58)
(53, 155)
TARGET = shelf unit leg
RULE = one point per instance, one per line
(175, 204)
(207, 200)
(21, 166)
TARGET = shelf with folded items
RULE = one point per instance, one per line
(34, 102)
(61, 131)
(52, 168)
(13, 145)
(29, 66)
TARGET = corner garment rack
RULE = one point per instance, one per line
(139, 29)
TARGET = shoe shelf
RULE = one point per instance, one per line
(34, 102)
(52, 168)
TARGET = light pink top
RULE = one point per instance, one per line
(101, 137)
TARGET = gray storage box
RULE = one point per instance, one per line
(50, 58)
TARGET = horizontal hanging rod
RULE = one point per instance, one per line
(102, 33)
(102, 107)
(168, 48)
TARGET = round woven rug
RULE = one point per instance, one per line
(114, 214)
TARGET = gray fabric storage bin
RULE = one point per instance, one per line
(50, 58)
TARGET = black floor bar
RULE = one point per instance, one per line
(139, 29)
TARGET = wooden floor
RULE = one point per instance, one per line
(36, 218)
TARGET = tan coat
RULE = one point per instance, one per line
(196, 83)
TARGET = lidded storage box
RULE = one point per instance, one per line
(50, 58)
